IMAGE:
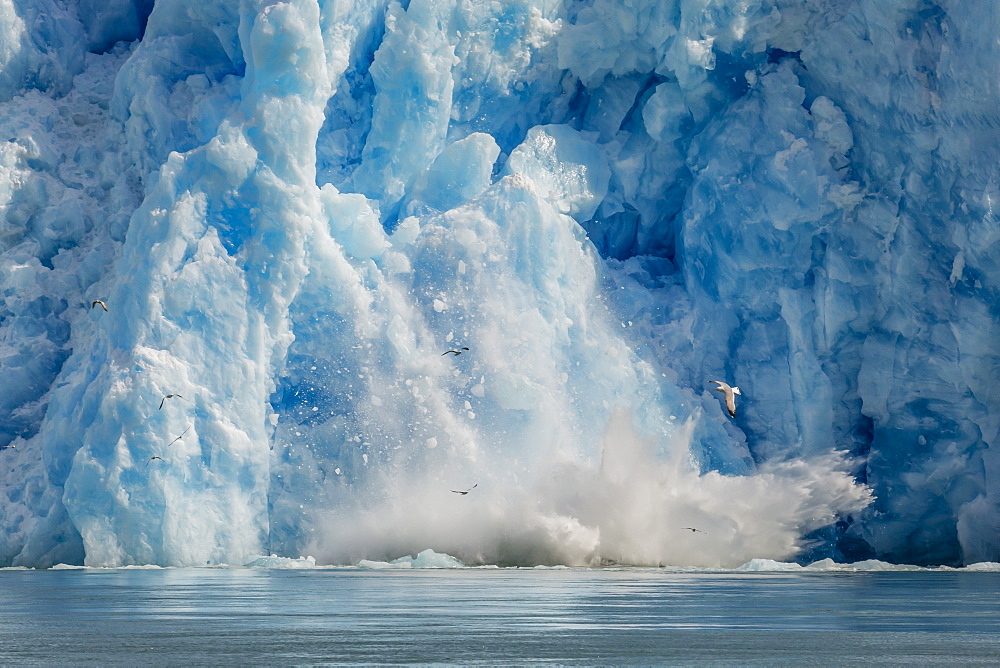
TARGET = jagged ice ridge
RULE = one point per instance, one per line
(291, 209)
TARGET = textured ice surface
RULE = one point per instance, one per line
(425, 559)
(274, 561)
(866, 565)
(292, 209)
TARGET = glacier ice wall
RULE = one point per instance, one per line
(292, 209)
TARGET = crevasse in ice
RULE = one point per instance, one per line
(293, 209)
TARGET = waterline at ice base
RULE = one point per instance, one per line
(458, 276)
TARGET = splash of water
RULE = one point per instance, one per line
(627, 507)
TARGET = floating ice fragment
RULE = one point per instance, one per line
(426, 559)
(988, 566)
(769, 565)
(275, 561)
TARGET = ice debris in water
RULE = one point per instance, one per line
(274, 561)
(426, 559)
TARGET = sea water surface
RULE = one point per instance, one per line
(496, 616)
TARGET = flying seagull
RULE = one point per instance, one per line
(730, 393)
(169, 396)
(692, 530)
(179, 437)
(9, 445)
(98, 301)
(456, 352)
(155, 457)
(464, 492)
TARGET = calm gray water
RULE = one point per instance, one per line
(503, 617)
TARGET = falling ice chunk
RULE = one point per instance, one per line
(439, 305)
(273, 419)
(432, 442)
(337, 470)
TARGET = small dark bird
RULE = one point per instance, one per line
(456, 352)
(169, 396)
(155, 457)
(179, 437)
(692, 530)
(98, 301)
(463, 493)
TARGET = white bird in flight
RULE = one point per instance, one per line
(170, 396)
(464, 492)
(730, 393)
(179, 437)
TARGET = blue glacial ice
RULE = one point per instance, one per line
(292, 209)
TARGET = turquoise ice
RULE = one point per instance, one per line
(292, 209)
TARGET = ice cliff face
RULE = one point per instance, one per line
(292, 209)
